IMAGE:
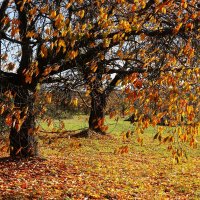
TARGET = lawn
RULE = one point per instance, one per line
(94, 168)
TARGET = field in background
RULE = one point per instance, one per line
(81, 168)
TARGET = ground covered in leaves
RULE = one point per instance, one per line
(94, 168)
(88, 169)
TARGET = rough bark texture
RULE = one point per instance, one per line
(22, 142)
(97, 113)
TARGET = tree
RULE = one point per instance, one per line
(145, 39)
(106, 41)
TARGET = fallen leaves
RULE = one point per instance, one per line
(88, 169)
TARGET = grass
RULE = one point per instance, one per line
(81, 168)
(116, 127)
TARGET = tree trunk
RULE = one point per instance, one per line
(22, 141)
(97, 113)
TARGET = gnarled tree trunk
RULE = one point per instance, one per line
(22, 141)
(99, 97)
(97, 113)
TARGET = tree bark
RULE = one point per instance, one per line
(97, 113)
(22, 141)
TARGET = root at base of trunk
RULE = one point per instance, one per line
(88, 133)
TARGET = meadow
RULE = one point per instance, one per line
(96, 168)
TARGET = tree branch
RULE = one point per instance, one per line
(2, 11)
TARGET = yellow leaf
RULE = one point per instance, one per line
(118, 82)
(87, 92)
(163, 10)
(2, 109)
(38, 87)
(43, 51)
(61, 43)
(84, 27)
(75, 101)
(106, 43)
(94, 67)
(177, 28)
(81, 13)
(44, 9)
(143, 4)
(73, 54)
(48, 97)
(59, 20)
(53, 14)
(115, 38)
(68, 5)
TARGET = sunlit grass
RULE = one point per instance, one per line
(116, 128)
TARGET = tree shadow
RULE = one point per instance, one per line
(7, 159)
(88, 133)
(19, 159)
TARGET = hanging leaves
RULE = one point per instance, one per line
(8, 120)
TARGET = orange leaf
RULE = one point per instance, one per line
(8, 120)
(24, 185)
(19, 150)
